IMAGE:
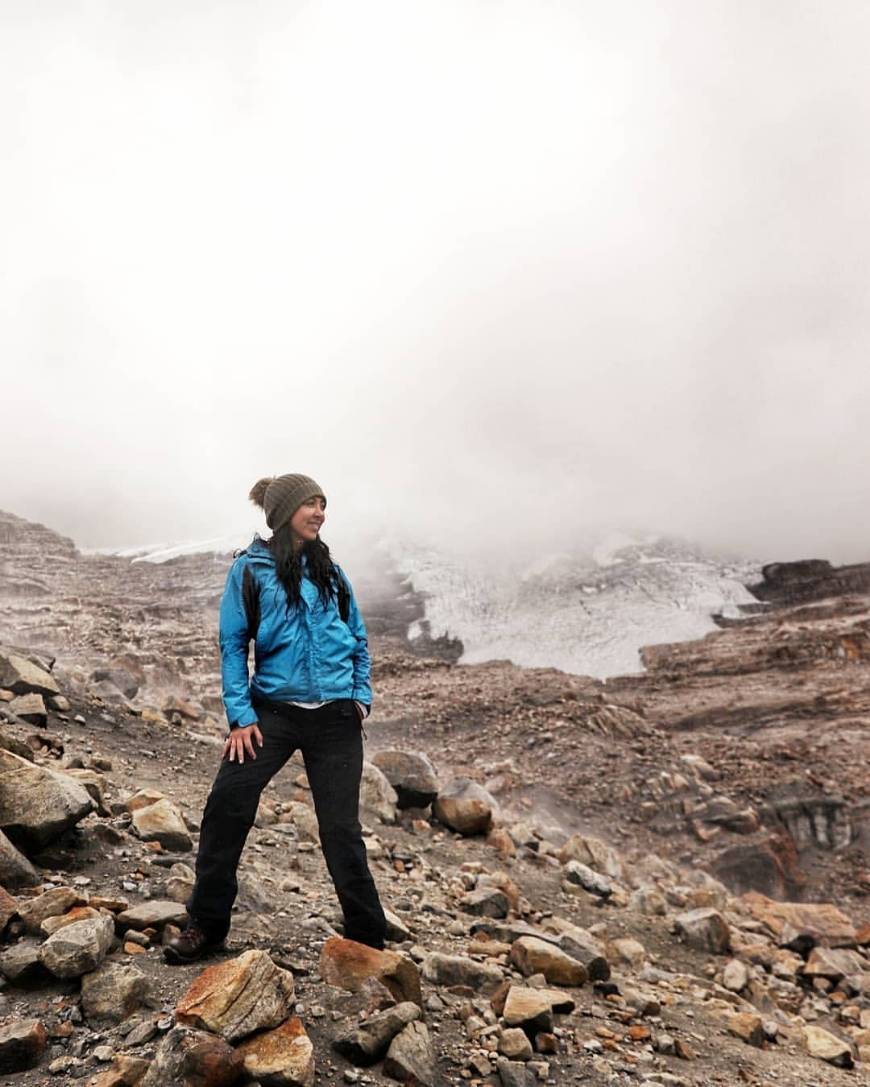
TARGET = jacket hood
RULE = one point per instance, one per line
(259, 551)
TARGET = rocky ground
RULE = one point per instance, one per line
(586, 881)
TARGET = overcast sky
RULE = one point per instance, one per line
(494, 273)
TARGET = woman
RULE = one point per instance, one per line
(309, 691)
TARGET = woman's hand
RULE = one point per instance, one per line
(241, 740)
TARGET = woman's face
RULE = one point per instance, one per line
(307, 521)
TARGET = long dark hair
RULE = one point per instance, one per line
(288, 566)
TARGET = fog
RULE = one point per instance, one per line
(498, 275)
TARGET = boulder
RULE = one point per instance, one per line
(21, 676)
(460, 970)
(824, 1046)
(816, 923)
(376, 794)
(411, 774)
(162, 822)
(94, 783)
(22, 1044)
(533, 956)
(627, 950)
(15, 869)
(21, 964)
(704, 929)
(369, 1040)
(593, 882)
(237, 997)
(514, 1073)
(179, 886)
(584, 947)
(33, 911)
(464, 806)
(78, 913)
(30, 708)
(38, 804)
(347, 965)
(8, 908)
(515, 1045)
(155, 913)
(485, 902)
(143, 798)
(120, 679)
(748, 1027)
(194, 1059)
(735, 976)
(79, 948)
(834, 963)
(411, 1056)
(594, 853)
(124, 1071)
(530, 1009)
(283, 1057)
(113, 991)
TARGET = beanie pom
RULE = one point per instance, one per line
(258, 491)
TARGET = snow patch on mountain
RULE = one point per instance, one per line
(588, 614)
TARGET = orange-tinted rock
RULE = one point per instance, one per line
(283, 1057)
(820, 923)
(237, 997)
(348, 964)
(194, 1059)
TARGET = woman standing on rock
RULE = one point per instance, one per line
(310, 691)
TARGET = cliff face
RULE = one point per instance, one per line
(811, 579)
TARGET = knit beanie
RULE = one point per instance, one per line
(281, 496)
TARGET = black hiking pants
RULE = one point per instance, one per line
(330, 739)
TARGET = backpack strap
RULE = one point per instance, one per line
(251, 601)
(343, 595)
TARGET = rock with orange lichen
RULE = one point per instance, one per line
(348, 965)
(802, 922)
(283, 1057)
(193, 1058)
(237, 997)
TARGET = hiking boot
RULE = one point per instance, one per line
(189, 945)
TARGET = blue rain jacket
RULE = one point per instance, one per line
(302, 654)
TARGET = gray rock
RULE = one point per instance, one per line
(485, 902)
(153, 914)
(583, 876)
(377, 795)
(193, 1057)
(113, 991)
(38, 804)
(367, 1042)
(705, 929)
(78, 948)
(21, 964)
(15, 869)
(30, 708)
(411, 774)
(22, 676)
(513, 1073)
(22, 1044)
(411, 1056)
(461, 970)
